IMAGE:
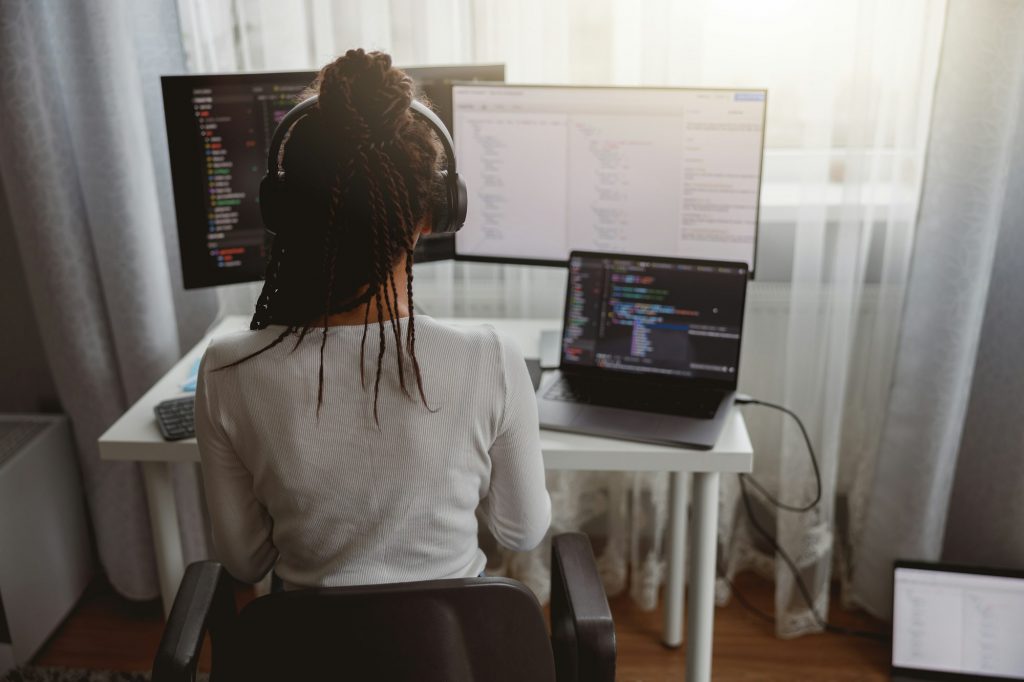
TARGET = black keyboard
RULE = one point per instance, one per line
(634, 395)
(176, 418)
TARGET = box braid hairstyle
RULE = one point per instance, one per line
(367, 169)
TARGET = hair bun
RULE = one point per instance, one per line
(365, 97)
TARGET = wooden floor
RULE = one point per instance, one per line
(107, 632)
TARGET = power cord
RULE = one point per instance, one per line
(801, 586)
(742, 399)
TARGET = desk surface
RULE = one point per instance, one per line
(135, 435)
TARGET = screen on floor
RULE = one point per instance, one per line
(673, 172)
(218, 130)
(951, 622)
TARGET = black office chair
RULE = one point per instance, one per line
(480, 629)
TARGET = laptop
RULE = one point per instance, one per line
(650, 349)
(957, 623)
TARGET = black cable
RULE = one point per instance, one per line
(797, 578)
(745, 400)
(763, 615)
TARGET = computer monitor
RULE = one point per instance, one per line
(660, 171)
(218, 131)
(957, 622)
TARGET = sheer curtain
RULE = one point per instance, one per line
(867, 112)
(850, 89)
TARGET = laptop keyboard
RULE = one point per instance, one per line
(633, 395)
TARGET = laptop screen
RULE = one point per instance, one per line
(658, 316)
(950, 621)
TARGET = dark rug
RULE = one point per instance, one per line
(34, 674)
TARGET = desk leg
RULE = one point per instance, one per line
(163, 518)
(701, 600)
(675, 583)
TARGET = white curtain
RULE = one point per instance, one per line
(953, 422)
(850, 90)
(83, 160)
(867, 112)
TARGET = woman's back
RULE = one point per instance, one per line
(337, 497)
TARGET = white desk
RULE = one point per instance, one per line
(135, 437)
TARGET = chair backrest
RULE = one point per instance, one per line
(481, 629)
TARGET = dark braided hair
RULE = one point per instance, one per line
(368, 172)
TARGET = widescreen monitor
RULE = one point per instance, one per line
(659, 171)
(218, 131)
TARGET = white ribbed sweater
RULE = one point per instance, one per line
(340, 501)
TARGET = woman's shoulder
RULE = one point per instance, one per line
(473, 347)
(482, 336)
(229, 347)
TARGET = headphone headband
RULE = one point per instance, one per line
(449, 215)
(289, 120)
(418, 107)
(302, 108)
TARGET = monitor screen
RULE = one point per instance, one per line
(967, 623)
(657, 316)
(639, 170)
(218, 131)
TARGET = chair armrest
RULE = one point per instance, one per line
(582, 631)
(205, 602)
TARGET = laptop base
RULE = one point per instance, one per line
(632, 425)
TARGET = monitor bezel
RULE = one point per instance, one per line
(554, 262)
(944, 567)
(720, 384)
(178, 88)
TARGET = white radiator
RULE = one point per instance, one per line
(763, 366)
(45, 553)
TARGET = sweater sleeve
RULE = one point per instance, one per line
(241, 524)
(518, 507)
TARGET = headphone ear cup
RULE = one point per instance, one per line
(273, 204)
(459, 204)
(449, 197)
(440, 214)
